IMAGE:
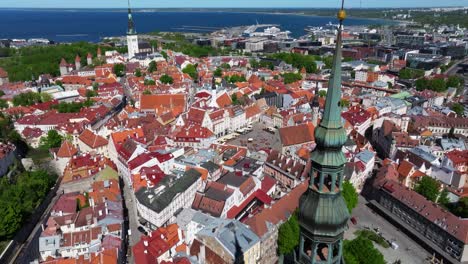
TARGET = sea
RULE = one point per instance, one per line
(72, 25)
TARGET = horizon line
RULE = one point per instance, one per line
(265, 8)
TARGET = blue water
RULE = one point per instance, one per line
(92, 25)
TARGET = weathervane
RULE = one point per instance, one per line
(341, 14)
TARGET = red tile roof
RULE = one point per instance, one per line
(224, 100)
(92, 140)
(161, 103)
(294, 135)
(452, 224)
(67, 150)
(278, 212)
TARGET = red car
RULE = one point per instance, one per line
(353, 220)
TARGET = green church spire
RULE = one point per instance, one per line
(323, 215)
(131, 24)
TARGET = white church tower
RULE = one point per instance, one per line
(132, 37)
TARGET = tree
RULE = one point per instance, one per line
(91, 93)
(225, 66)
(322, 93)
(428, 187)
(52, 140)
(147, 92)
(191, 70)
(2, 93)
(27, 99)
(149, 82)
(236, 78)
(460, 208)
(234, 99)
(288, 235)
(138, 72)
(454, 81)
(164, 54)
(350, 195)
(291, 77)
(19, 196)
(166, 79)
(152, 67)
(119, 69)
(443, 199)
(38, 60)
(361, 250)
(298, 61)
(3, 104)
(95, 87)
(458, 108)
(218, 72)
(344, 103)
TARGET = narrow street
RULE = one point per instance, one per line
(135, 234)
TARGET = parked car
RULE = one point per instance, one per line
(142, 230)
(353, 220)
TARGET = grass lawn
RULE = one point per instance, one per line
(371, 235)
(38, 155)
(3, 245)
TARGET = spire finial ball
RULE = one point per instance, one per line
(341, 14)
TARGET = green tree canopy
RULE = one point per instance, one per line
(52, 140)
(458, 108)
(288, 235)
(298, 61)
(191, 70)
(361, 250)
(3, 104)
(428, 187)
(218, 72)
(291, 77)
(234, 99)
(443, 199)
(322, 93)
(28, 61)
(408, 73)
(149, 82)
(27, 99)
(225, 66)
(350, 196)
(236, 78)
(119, 69)
(460, 209)
(138, 72)
(152, 67)
(20, 197)
(166, 79)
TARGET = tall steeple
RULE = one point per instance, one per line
(323, 215)
(132, 37)
(131, 24)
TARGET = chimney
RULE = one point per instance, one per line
(145, 242)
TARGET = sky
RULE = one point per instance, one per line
(225, 3)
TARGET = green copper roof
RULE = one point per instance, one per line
(323, 214)
(131, 24)
(330, 134)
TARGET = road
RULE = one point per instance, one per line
(454, 68)
(408, 252)
(129, 197)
